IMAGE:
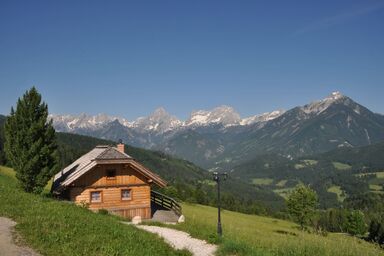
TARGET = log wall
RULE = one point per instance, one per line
(110, 188)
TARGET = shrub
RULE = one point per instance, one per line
(355, 223)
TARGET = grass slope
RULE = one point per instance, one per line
(60, 228)
(338, 191)
(256, 235)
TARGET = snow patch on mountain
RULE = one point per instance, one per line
(224, 115)
(265, 117)
(159, 121)
(317, 107)
(83, 121)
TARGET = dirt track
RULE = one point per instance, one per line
(181, 240)
(7, 245)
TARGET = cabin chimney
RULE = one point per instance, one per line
(120, 146)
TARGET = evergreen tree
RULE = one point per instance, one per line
(302, 203)
(30, 142)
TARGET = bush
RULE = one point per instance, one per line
(355, 223)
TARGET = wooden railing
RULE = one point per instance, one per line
(166, 202)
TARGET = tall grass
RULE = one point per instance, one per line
(256, 235)
(60, 228)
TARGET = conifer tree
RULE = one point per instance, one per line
(30, 142)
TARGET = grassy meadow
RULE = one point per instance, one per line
(338, 191)
(255, 235)
(55, 228)
(262, 181)
(60, 228)
(341, 166)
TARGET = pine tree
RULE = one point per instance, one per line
(30, 142)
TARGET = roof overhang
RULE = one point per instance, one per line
(151, 176)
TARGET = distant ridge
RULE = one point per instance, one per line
(220, 137)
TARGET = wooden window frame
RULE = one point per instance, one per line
(111, 170)
(101, 196)
(121, 195)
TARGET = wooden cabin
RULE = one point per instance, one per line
(108, 178)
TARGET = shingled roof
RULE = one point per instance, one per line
(99, 155)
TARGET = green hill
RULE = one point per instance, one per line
(187, 181)
(354, 171)
(255, 235)
(56, 228)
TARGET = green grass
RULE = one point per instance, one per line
(11, 173)
(379, 175)
(304, 163)
(60, 228)
(262, 181)
(341, 166)
(256, 235)
(310, 162)
(7, 171)
(281, 183)
(375, 187)
(338, 191)
(299, 166)
(209, 182)
(283, 192)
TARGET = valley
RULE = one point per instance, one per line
(220, 139)
(324, 144)
(333, 144)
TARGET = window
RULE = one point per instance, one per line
(96, 197)
(111, 174)
(126, 194)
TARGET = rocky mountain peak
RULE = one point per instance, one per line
(160, 120)
(225, 115)
(319, 106)
(265, 117)
(160, 112)
(335, 96)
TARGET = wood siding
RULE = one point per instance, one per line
(126, 178)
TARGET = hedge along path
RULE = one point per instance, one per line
(182, 240)
(7, 245)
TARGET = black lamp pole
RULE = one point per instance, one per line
(217, 178)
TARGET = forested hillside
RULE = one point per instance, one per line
(257, 186)
(335, 175)
(186, 181)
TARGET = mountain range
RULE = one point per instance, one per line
(333, 144)
(220, 138)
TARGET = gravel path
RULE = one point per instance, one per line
(7, 246)
(181, 240)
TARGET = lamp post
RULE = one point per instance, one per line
(217, 177)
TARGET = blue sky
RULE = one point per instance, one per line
(127, 58)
